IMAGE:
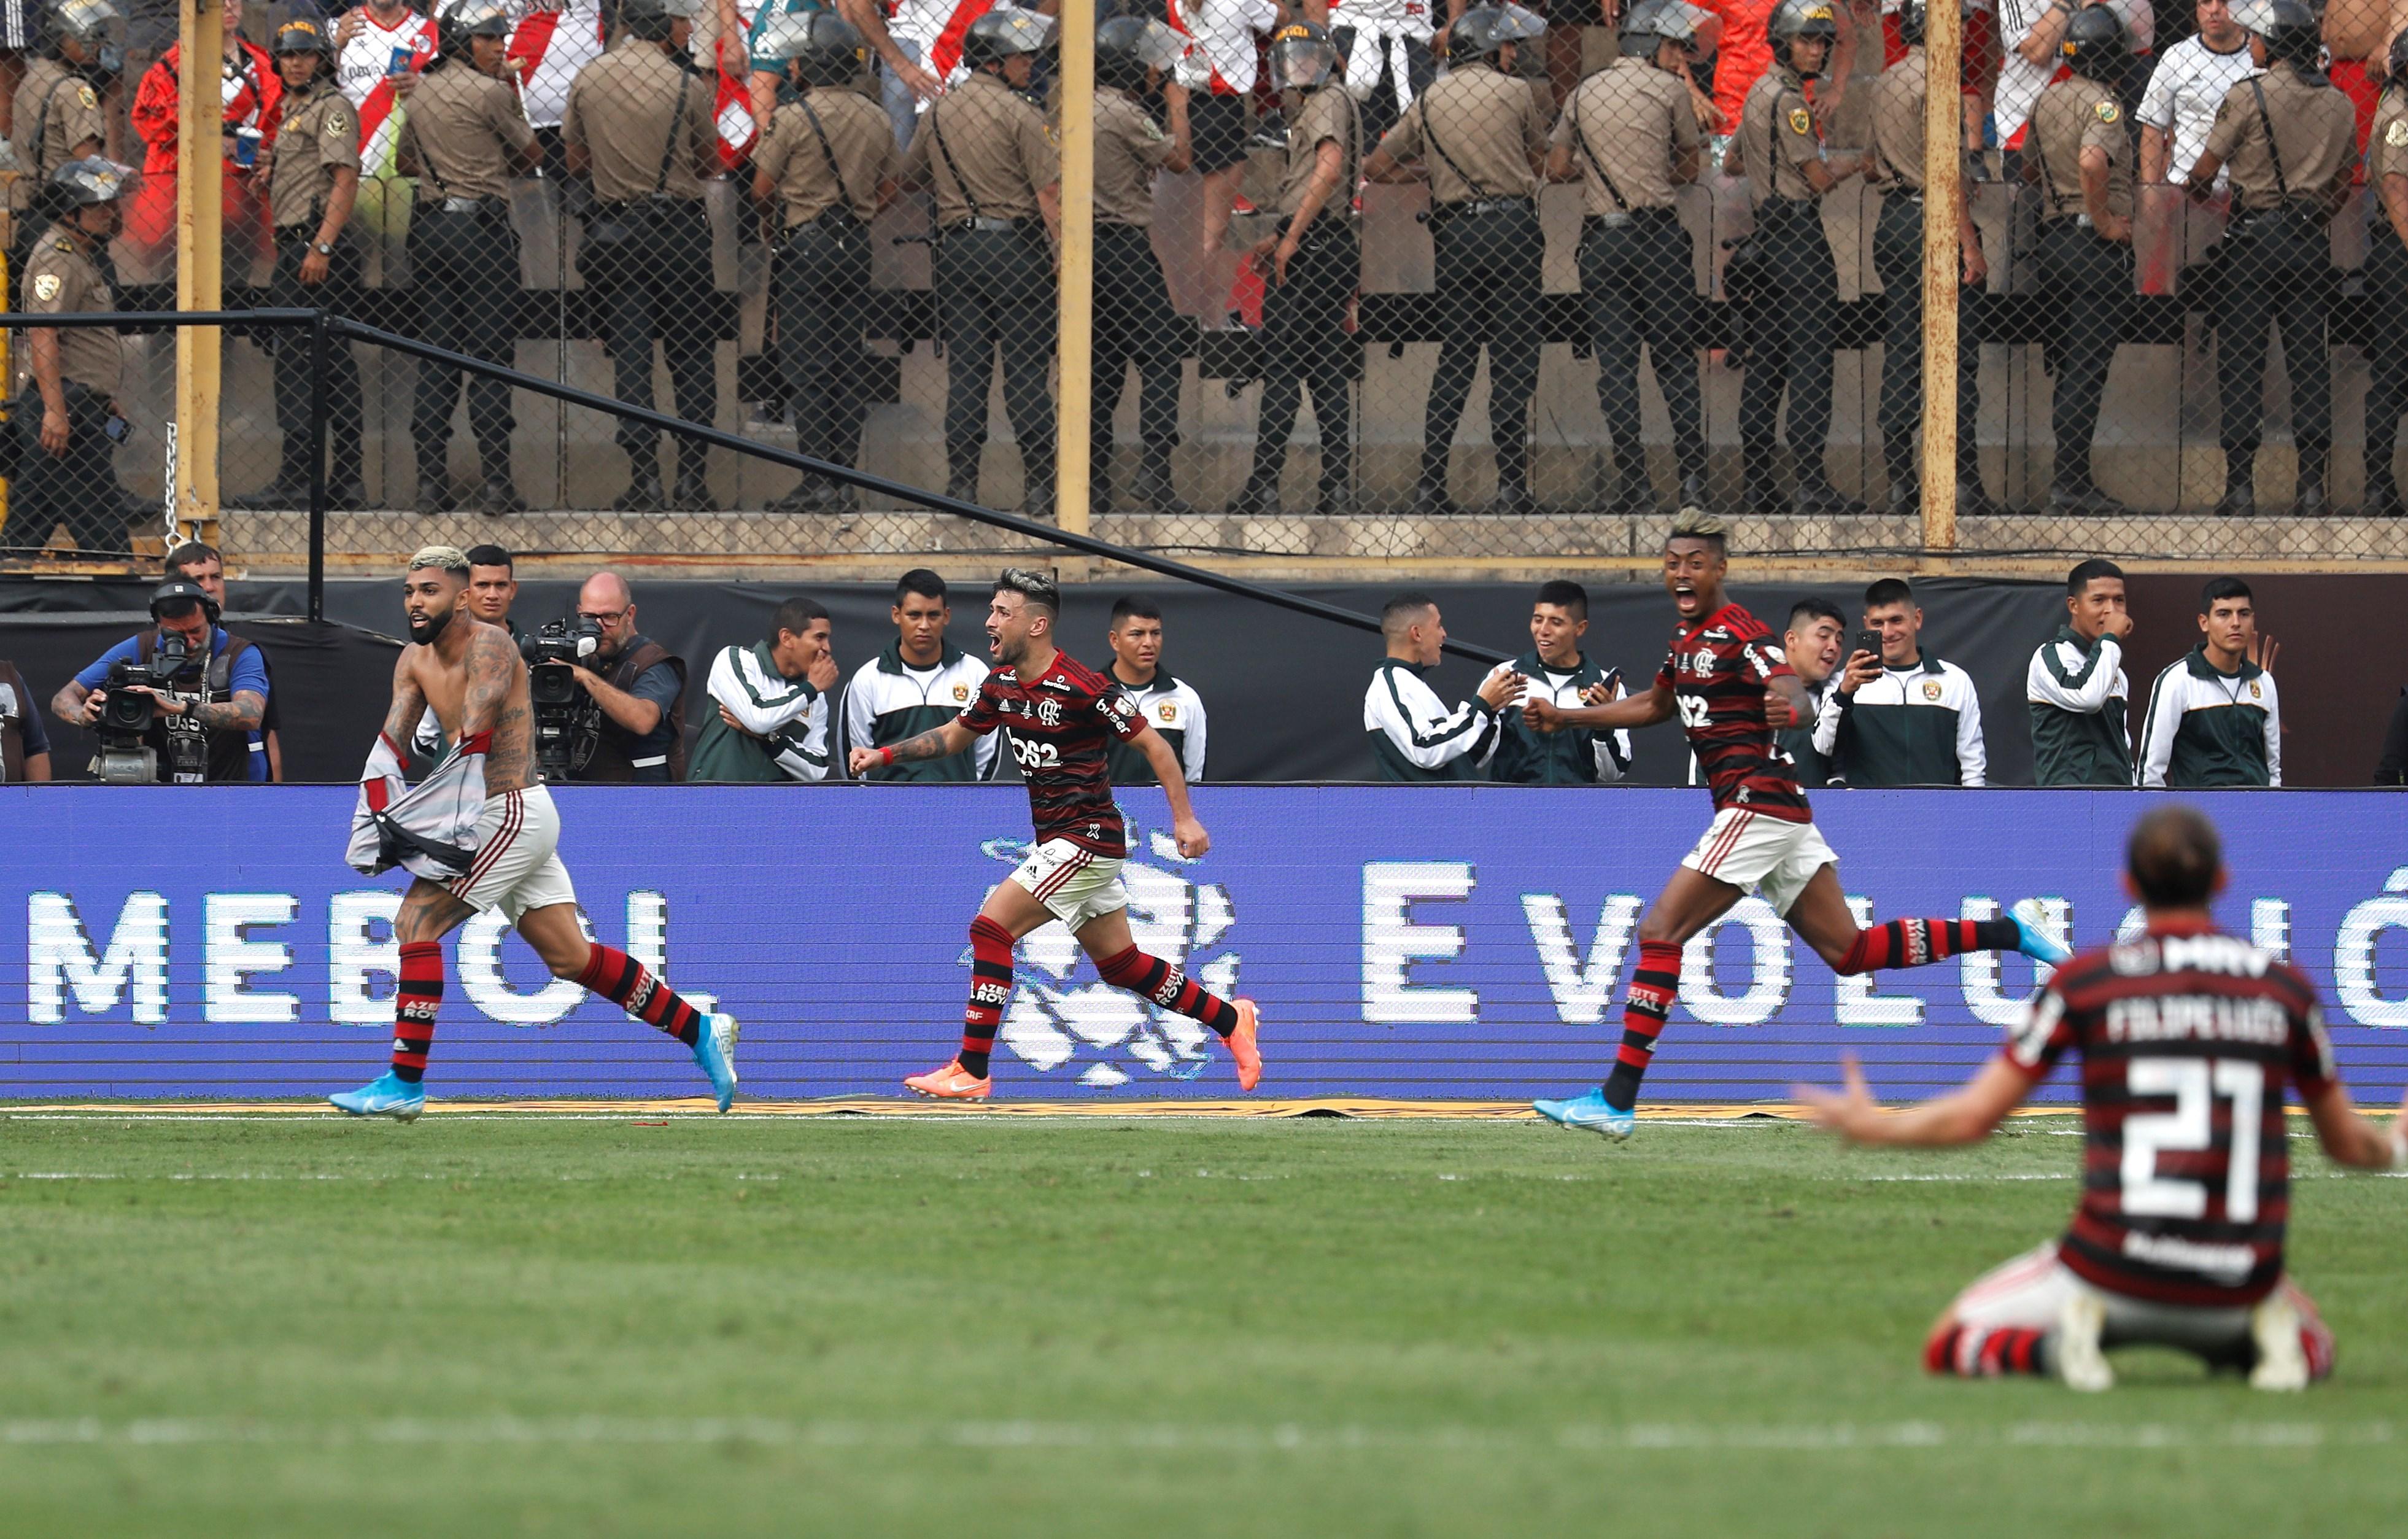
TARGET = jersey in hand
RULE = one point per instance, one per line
(2189, 1042)
(1716, 672)
(1057, 729)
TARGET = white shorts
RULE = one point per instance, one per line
(518, 856)
(2030, 1292)
(1076, 883)
(1766, 854)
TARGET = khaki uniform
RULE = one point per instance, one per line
(78, 487)
(2086, 278)
(466, 132)
(317, 135)
(1625, 127)
(55, 108)
(1790, 325)
(1477, 131)
(827, 169)
(2288, 160)
(1898, 98)
(1134, 322)
(1304, 339)
(647, 252)
(2386, 288)
(986, 152)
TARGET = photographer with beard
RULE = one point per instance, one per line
(206, 709)
(633, 725)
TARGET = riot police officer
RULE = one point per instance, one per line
(313, 178)
(2387, 283)
(1628, 133)
(463, 136)
(1900, 97)
(2081, 153)
(639, 124)
(67, 469)
(1790, 324)
(998, 178)
(1134, 322)
(1480, 138)
(829, 164)
(55, 113)
(2289, 137)
(1310, 268)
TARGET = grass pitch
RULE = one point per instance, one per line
(746, 1326)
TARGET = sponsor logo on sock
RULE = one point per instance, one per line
(418, 1009)
(642, 994)
(1172, 982)
(990, 995)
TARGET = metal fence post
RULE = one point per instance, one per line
(1077, 282)
(318, 343)
(1944, 213)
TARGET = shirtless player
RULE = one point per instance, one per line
(469, 674)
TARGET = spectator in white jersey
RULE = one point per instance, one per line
(1171, 706)
(1812, 644)
(2213, 716)
(770, 717)
(2186, 88)
(2033, 31)
(1415, 735)
(1901, 718)
(1555, 670)
(2081, 716)
(918, 684)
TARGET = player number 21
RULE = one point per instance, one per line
(2188, 1129)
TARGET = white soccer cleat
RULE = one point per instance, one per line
(2079, 1361)
(2282, 1360)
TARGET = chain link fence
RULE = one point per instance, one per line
(1549, 295)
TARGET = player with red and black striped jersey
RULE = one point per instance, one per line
(1059, 715)
(2189, 1040)
(1733, 686)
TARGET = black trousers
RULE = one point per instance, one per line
(1789, 333)
(994, 289)
(2087, 284)
(1898, 261)
(1135, 323)
(2277, 271)
(1638, 285)
(466, 269)
(78, 488)
(823, 294)
(1490, 269)
(656, 282)
(339, 294)
(2386, 287)
(1305, 342)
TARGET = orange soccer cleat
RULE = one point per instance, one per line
(1243, 1046)
(951, 1083)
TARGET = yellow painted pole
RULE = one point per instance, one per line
(1943, 212)
(1077, 349)
(200, 281)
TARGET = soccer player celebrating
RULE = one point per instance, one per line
(1734, 689)
(2188, 1041)
(1059, 715)
(480, 833)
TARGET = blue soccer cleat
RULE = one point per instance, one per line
(1590, 1111)
(384, 1096)
(714, 1048)
(2030, 940)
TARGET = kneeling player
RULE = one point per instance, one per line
(482, 834)
(2188, 1041)
(1057, 714)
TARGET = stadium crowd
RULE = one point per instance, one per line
(827, 115)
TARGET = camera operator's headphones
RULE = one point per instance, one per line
(183, 589)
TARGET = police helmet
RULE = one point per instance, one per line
(827, 49)
(300, 35)
(1651, 24)
(91, 23)
(2290, 29)
(1302, 56)
(653, 21)
(2094, 44)
(466, 18)
(1795, 18)
(1004, 32)
(88, 182)
(1126, 47)
(178, 591)
(1480, 32)
(2395, 66)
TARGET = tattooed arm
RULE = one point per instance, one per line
(241, 714)
(493, 668)
(937, 743)
(408, 707)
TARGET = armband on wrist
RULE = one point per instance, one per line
(886, 756)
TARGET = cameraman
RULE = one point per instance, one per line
(635, 728)
(25, 751)
(201, 563)
(209, 692)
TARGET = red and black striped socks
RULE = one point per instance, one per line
(1914, 943)
(989, 986)
(1168, 986)
(414, 1005)
(1974, 1353)
(1653, 986)
(630, 985)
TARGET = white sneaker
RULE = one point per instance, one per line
(2282, 1361)
(2079, 1361)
